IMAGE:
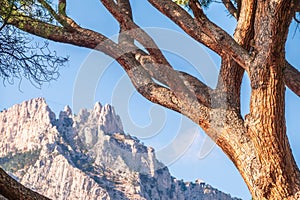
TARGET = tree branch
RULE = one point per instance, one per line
(124, 38)
(244, 31)
(225, 127)
(179, 16)
(142, 81)
(20, 59)
(79, 37)
(201, 90)
(136, 32)
(231, 8)
(155, 63)
(204, 31)
(61, 17)
(231, 74)
(11, 189)
(292, 78)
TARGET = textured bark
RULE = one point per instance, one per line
(278, 177)
(257, 143)
(12, 190)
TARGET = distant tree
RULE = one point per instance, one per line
(256, 143)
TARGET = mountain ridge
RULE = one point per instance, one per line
(86, 156)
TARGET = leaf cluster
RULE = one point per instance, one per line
(204, 3)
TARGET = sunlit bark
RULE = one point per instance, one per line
(257, 143)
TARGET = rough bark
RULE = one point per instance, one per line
(12, 190)
(257, 143)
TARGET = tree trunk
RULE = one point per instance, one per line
(269, 170)
(278, 176)
(259, 147)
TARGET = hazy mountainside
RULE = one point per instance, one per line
(87, 156)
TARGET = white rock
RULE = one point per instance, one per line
(88, 156)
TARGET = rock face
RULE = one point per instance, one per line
(87, 156)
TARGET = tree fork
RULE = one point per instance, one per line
(257, 145)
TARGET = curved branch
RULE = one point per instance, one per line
(155, 63)
(292, 78)
(202, 28)
(182, 18)
(79, 37)
(146, 86)
(201, 90)
(136, 32)
(125, 39)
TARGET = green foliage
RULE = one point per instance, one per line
(26, 3)
(14, 162)
(31, 8)
(62, 8)
(182, 2)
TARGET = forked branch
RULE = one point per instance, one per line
(202, 28)
(155, 63)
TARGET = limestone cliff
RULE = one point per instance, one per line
(87, 156)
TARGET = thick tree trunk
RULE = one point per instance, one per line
(272, 173)
(278, 176)
(259, 147)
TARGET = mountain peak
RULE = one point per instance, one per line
(97, 107)
(23, 126)
(68, 110)
(87, 156)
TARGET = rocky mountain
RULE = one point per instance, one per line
(86, 156)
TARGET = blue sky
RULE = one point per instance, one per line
(158, 127)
